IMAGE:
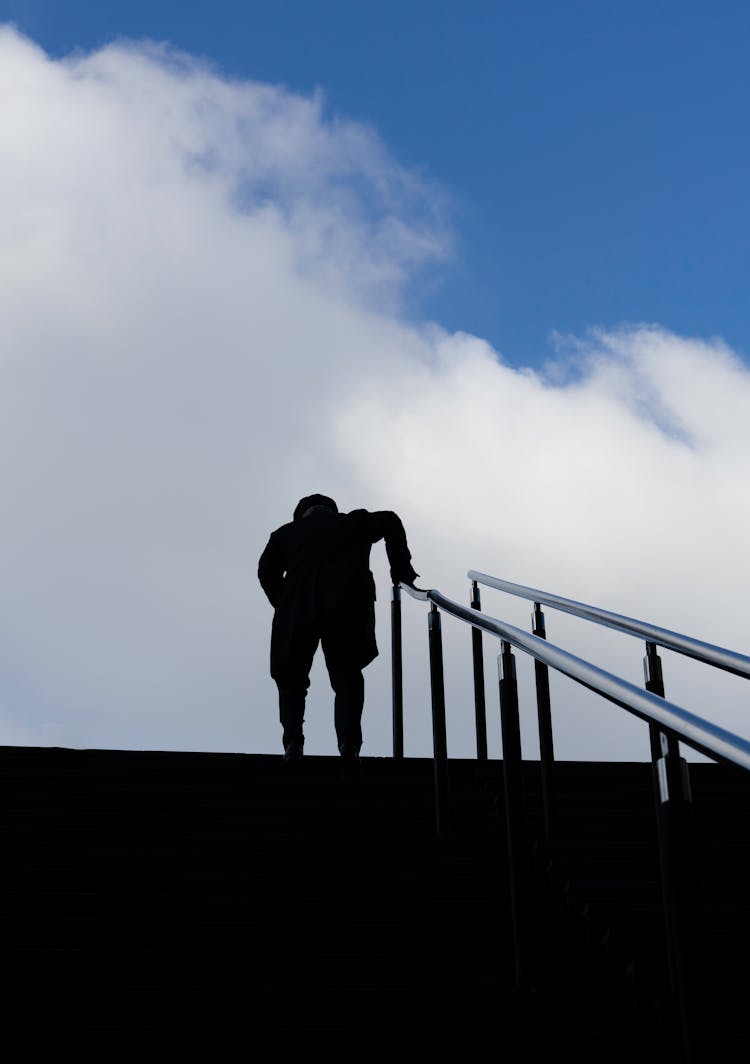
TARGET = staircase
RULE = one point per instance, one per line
(191, 899)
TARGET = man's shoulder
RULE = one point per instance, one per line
(362, 520)
(280, 534)
(372, 517)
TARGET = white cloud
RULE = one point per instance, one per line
(200, 291)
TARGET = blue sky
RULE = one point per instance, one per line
(593, 156)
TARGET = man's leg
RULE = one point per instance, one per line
(293, 681)
(348, 684)
(292, 711)
(348, 705)
(349, 645)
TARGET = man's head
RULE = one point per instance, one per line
(313, 501)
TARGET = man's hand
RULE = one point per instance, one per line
(404, 576)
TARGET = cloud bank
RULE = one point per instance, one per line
(202, 291)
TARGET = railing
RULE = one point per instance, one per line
(718, 657)
(654, 636)
(669, 725)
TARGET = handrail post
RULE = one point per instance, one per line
(677, 865)
(480, 711)
(397, 674)
(439, 741)
(654, 678)
(544, 716)
(515, 813)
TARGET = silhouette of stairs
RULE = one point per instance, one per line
(210, 895)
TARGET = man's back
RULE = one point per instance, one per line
(324, 558)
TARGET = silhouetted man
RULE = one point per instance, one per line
(315, 572)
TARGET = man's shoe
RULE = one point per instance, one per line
(293, 754)
(350, 766)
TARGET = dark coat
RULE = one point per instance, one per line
(316, 574)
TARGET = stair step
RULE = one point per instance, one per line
(208, 894)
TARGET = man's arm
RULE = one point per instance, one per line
(387, 525)
(271, 568)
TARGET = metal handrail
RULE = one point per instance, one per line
(701, 735)
(669, 725)
(718, 656)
